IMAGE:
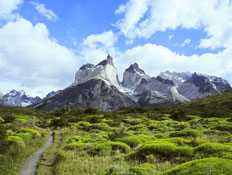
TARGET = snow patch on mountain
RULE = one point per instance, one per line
(19, 98)
(105, 70)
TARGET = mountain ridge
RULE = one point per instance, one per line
(166, 89)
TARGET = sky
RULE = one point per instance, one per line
(44, 42)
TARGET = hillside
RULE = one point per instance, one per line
(212, 106)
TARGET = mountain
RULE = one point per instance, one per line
(94, 86)
(98, 86)
(151, 91)
(133, 76)
(105, 70)
(19, 98)
(199, 86)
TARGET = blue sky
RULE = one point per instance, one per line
(79, 19)
(44, 42)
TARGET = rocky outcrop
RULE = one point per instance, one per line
(133, 76)
(105, 70)
(92, 93)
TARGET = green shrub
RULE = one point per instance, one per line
(100, 149)
(77, 145)
(161, 149)
(135, 140)
(185, 151)
(95, 118)
(21, 119)
(211, 149)
(25, 136)
(212, 166)
(83, 139)
(138, 127)
(16, 140)
(228, 139)
(178, 141)
(107, 147)
(100, 126)
(133, 121)
(31, 131)
(161, 135)
(83, 125)
(186, 133)
(59, 121)
(120, 146)
(143, 169)
(223, 127)
(1, 120)
(197, 142)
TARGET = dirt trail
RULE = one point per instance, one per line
(30, 165)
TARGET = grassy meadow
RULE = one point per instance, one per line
(194, 138)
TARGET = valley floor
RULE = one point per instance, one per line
(124, 142)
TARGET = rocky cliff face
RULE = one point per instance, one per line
(52, 93)
(133, 76)
(92, 93)
(199, 86)
(105, 70)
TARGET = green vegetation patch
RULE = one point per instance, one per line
(212, 166)
(135, 140)
(100, 126)
(163, 150)
(107, 147)
(78, 145)
(21, 119)
(186, 133)
(212, 148)
(31, 131)
(143, 169)
(16, 140)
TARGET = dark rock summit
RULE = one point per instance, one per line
(135, 68)
(93, 93)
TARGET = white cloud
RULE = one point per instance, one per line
(95, 48)
(170, 37)
(155, 59)
(144, 18)
(49, 14)
(106, 39)
(185, 42)
(7, 7)
(31, 59)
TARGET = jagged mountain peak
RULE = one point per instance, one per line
(20, 98)
(134, 68)
(132, 76)
(105, 70)
(107, 61)
(165, 81)
(86, 66)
